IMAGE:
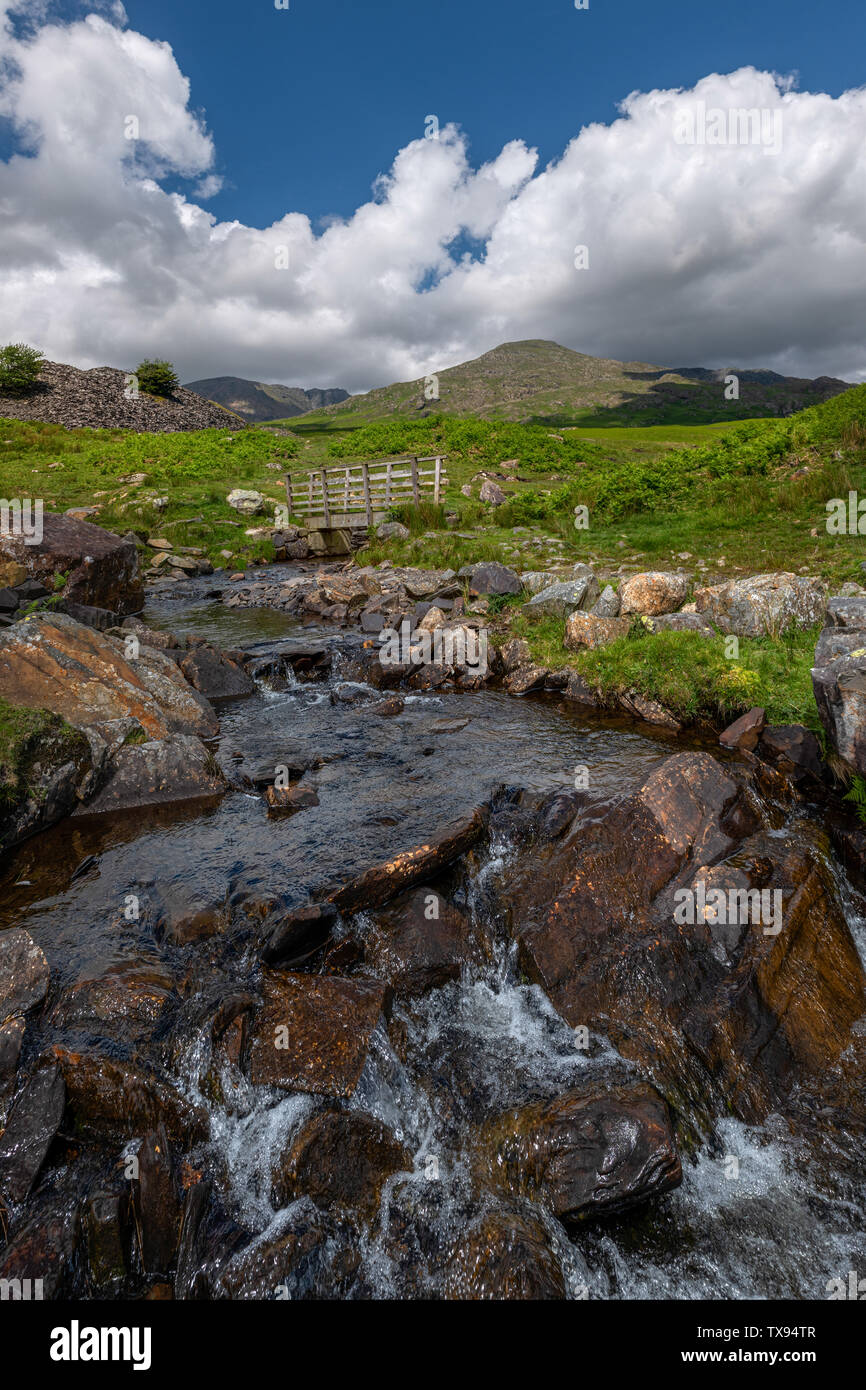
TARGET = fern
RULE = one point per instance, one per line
(856, 793)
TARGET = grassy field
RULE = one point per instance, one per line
(719, 500)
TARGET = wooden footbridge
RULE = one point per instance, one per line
(362, 494)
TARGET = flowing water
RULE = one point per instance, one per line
(780, 1220)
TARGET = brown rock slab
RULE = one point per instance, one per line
(23, 973)
(103, 569)
(504, 1255)
(745, 731)
(115, 1100)
(584, 1155)
(420, 943)
(340, 1158)
(375, 886)
(585, 630)
(312, 1032)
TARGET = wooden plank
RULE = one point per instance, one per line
(368, 511)
(325, 497)
(415, 481)
(436, 484)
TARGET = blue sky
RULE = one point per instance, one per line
(308, 105)
(277, 213)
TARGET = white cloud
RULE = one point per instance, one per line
(698, 254)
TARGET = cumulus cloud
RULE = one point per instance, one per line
(701, 249)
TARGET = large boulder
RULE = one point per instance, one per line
(34, 1121)
(585, 630)
(764, 605)
(340, 1159)
(377, 885)
(653, 593)
(420, 942)
(504, 1255)
(490, 577)
(729, 1008)
(45, 767)
(23, 973)
(102, 569)
(839, 679)
(312, 1033)
(561, 600)
(583, 1154)
(158, 772)
(51, 662)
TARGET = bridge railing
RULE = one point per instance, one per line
(358, 494)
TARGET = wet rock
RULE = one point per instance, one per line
(312, 1033)
(394, 704)
(745, 731)
(420, 943)
(23, 973)
(375, 886)
(290, 1261)
(608, 603)
(11, 1038)
(127, 1000)
(346, 589)
(648, 710)
(583, 1155)
(299, 935)
(115, 1100)
(34, 1121)
(214, 675)
(157, 773)
(39, 1260)
(51, 662)
(560, 600)
(585, 630)
(526, 678)
(340, 1159)
(157, 1205)
(285, 801)
(102, 569)
(490, 577)
(105, 1221)
(504, 1255)
(516, 653)
(51, 766)
(578, 690)
(763, 605)
(652, 593)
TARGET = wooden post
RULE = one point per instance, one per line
(388, 467)
(324, 479)
(436, 476)
(310, 488)
(367, 508)
(414, 467)
(346, 494)
(289, 501)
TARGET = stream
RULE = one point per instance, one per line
(780, 1221)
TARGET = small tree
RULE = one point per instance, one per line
(157, 378)
(20, 366)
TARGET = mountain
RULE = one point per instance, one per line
(542, 381)
(256, 401)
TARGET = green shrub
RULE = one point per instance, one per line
(20, 366)
(157, 378)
